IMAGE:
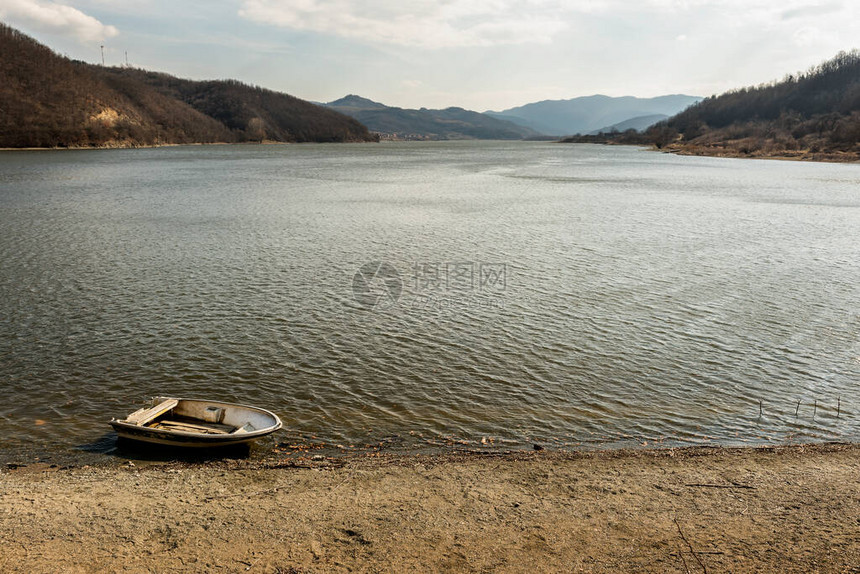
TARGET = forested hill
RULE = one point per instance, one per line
(47, 100)
(817, 112)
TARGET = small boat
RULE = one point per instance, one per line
(196, 423)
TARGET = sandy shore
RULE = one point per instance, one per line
(787, 509)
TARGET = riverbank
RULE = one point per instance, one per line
(730, 149)
(792, 509)
(738, 150)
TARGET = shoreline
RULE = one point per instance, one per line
(729, 153)
(805, 156)
(765, 508)
(799, 155)
(110, 451)
(122, 146)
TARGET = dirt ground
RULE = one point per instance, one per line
(786, 509)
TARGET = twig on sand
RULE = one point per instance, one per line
(246, 494)
(684, 560)
(249, 565)
(733, 485)
(690, 546)
(344, 481)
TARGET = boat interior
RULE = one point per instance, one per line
(198, 417)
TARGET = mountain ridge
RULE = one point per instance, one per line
(639, 123)
(426, 124)
(585, 114)
(49, 100)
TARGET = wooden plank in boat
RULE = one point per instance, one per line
(144, 416)
(191, 427)
(201, 423)
(246, 428)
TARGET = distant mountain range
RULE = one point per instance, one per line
(47, 100)
(639, 124)
(590, 114)
(409, 124)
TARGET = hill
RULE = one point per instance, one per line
(47, 100)
(354, 102)
(424, 124)
(590, 113)
(639, 124)
(814, 114)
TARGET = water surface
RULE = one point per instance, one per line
(564, 294)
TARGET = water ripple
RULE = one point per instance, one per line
(647, 298)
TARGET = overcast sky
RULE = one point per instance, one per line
(478, 54)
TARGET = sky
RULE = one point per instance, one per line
(476, 54)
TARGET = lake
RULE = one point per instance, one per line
(431, 294)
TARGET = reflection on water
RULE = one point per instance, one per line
(566, 294)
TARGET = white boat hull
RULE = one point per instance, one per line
(196, 423)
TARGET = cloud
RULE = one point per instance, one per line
(421, 23)
(812, 10)
(57, 18)
(807, 36)
(459, 23)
